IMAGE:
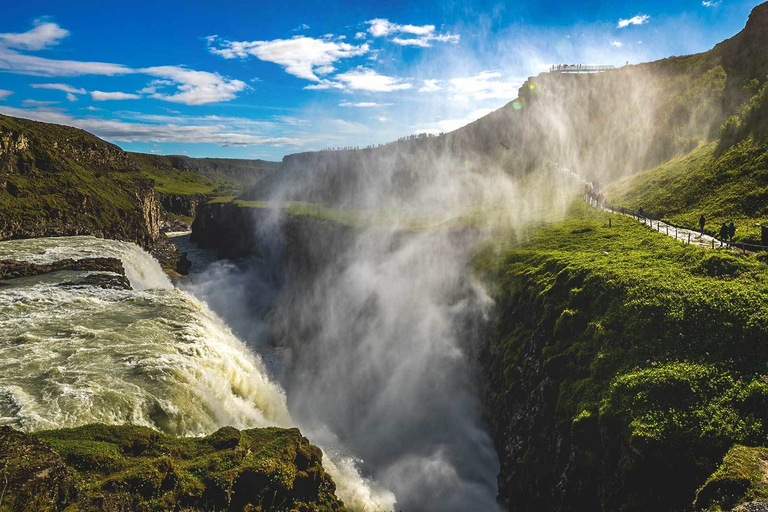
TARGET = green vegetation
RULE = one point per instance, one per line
(99, 467)
(172, 181)
(742, 477)
(180, 175)
(723, 186)
(649, 354)
(60, 180)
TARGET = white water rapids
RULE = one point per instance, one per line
(154, 356)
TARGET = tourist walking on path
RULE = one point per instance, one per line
(640, 213)
(731, 232)
(724, 230)
(701, 224)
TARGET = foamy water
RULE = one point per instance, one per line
(153, 356)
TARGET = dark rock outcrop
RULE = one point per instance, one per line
(236, 231)
(183, 205)
(15, 268)
(113, 271)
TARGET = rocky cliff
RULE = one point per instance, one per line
(621, 367)
(307, 243)
(56, 180)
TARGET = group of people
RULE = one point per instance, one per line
(594, 198)
(727, 231)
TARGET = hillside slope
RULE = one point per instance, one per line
(602, 126)
(57, 180)
(728, 178)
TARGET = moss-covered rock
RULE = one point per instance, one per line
(127, 468)
(741, 478)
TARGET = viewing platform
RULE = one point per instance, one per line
(579, 68)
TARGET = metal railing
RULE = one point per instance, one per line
(579, 68)
(681, 233)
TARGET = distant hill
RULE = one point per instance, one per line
(603, 126)
(176, 174)
(59, 180)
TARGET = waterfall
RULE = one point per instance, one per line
(153, 356)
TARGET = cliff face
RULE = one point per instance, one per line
(56, 181)
(306, 243)
(185, 205)
(614, 383)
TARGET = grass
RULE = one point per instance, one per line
(654, 352)
(99, 467)
(722, 186)
(62, 179)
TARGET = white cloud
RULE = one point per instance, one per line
(429, 86)
(617, 44)
(106, 96)
(121, 131)
(301, 56)
(44, 35)
(193, 87)
(4, 93)
(640, 19)
(486, 85)
(59, 87)
(39, 66)
(448, 125)
(71, 97)
(706, 3)
(421, 43)
(363, 104)
(380, 27)
(37, 103)
(424, 34)
(363, 79)
(303, 26)
(360, 35)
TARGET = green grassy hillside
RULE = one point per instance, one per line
(641, 359)
(726, 178)
(723, 185)
(59, 180)
(181, 175)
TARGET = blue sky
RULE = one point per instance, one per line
(265, 79)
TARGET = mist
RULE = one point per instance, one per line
(375, 322)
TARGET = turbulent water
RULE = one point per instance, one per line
(378, 357)
(154, 356)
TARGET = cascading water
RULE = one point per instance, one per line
(153, 356)
(379, 355)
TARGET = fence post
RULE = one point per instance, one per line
(713, 243)
(689, 238)
(609, 222)
(667, 229)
